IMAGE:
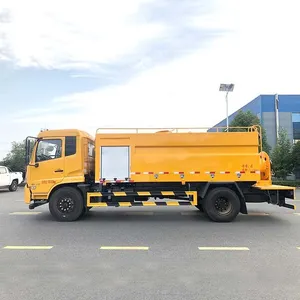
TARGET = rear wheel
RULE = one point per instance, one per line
(66, 204)
(222, 204)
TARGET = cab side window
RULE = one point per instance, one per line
(70, 148)
(2, 170)
(48, 149)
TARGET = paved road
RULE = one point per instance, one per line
(168, 266)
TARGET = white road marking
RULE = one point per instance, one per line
(123, 248)
(258, 214)
(28, 247)
(224, 248)
(25, 213)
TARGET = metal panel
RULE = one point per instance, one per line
(114, 162)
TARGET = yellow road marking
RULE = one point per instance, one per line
(257, 214)
(28, 247)
(224, 248)
(25, 213)
(298, 248)
(149, 213)
(190, 213)
(298, 214)
(123, 248)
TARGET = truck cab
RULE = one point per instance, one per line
(56, 158)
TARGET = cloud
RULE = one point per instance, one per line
(93, 34)
(159, 63)
(56, 33)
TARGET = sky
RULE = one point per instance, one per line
(140, 63)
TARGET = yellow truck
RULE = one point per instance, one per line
(216, 172)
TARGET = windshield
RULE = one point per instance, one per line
(48, 149)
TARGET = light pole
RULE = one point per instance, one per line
(277, 116)
(224, 87)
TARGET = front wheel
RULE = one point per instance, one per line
(222, 204)
(14, 186)
(66, 204)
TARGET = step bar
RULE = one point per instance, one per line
(193, 194)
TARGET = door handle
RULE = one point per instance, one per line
(58, 170)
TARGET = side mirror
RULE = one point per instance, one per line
(27, 147)
(29, 144)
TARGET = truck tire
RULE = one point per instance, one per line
(66, 204)
(14, 186)
(221, 204)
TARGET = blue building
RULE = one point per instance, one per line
(274, 112)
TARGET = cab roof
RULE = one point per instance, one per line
(64, 132)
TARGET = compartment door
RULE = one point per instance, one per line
(115, 162)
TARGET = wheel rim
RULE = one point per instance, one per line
(223, 205)
(65, 205)
(14, 185)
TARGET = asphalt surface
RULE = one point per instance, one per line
(168, 266)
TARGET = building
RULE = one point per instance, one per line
(264, 107)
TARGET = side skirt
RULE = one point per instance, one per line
(94, 199)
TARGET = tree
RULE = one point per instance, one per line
(296, 156)
(247, 119)
(282, 160)
(15, 159)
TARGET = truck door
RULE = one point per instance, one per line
(4, 176)
(47, 169)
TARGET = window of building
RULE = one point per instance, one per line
(296, 126)
(296, 117)
(70, 148)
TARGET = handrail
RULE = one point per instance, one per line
(176, 130)
(219, 129)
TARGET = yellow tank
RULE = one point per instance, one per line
(175, 156)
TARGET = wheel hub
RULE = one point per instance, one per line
(65, 205)
(222, 205)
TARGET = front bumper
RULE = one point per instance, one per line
(27, 194)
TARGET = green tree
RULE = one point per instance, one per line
(282, 160)
(247, 119)
(15, 159)
(296, 156)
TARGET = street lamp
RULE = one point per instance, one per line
(226, 88)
